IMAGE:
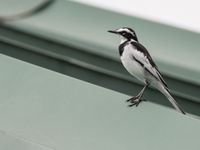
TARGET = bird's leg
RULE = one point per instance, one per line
(137, 99)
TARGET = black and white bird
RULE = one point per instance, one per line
(138, 62)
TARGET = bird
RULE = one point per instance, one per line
(138, 62)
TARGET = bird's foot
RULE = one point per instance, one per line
(132, 99)
(136, 100)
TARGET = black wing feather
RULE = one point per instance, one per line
(142, 49)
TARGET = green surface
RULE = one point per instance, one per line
(10, 7)
(77, 44)
(61, 112)
(10, 142)
(44, 110)
(92, 68)
(175, 50)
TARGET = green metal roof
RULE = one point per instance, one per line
(69, 22)
(63, 86)
(43, 109)
(71, 35)
(50, 110)
(10, 142)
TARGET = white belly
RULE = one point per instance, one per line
(132, 66)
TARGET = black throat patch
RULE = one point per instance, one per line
(121, 47)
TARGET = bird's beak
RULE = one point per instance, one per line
(111, 31)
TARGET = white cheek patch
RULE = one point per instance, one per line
(123, 39)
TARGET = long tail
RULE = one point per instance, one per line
(166, 92)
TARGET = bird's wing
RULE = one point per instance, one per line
(144, 58)
(161, 78)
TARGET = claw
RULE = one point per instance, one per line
(137, 104)
(131, 105)
(135, 101)
(128, 100)
(132, 99)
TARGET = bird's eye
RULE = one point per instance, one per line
(123, 33)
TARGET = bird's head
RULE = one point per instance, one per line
(125, 33)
